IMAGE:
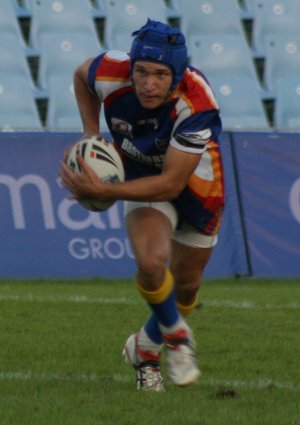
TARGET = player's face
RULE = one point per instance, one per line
(152, 83)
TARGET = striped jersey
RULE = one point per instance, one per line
(189, 121)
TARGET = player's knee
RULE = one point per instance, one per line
(186, 293)
(151, 270)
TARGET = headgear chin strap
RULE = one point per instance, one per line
(158, 42)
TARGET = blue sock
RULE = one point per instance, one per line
(153, 331)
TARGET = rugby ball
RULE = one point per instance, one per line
(104, 159)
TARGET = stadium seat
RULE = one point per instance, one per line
(13, 58)
(273, 18)
(208, 17)
(216, 55)
(25, 4)
(248, 5)
(240, 102)
(18, 110)
(287, 103)
(8, 20)
(62, 111)
(22, 9)
(49, 16)
(125, 16)
(246, 10)
(282, 59)
(30, 4)
(62, 53)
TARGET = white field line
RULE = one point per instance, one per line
(243, 305)
(259, 384)
(65, 298)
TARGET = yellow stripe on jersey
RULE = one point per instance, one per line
(212, 187)
(109, 79)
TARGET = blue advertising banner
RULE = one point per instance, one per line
(229, 256)
(268, 167)
(46, 235)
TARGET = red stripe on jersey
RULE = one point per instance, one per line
(210, 192)
(108, 71)
(197, 93)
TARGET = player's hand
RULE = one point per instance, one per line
(85, 184)
(69, 148)
(67, 153)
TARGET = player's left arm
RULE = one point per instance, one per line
(166, 186)
(182, 157)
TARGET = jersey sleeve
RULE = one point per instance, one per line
(108, 73)
(193, 133)
(92, 72)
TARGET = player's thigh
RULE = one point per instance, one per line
(149, 231)
(188, 263)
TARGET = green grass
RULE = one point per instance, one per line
(61, 343)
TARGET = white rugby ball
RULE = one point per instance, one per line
(104, 159)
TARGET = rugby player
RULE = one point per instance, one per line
(164, 120)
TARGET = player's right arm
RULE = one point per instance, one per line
(88, 103)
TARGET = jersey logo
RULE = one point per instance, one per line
(131, 151)
(121, 126)
(149, 121)
(195, 138)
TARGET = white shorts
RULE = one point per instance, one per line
(186, 235)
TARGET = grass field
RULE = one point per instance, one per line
(61, 364)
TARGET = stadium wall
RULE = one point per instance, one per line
(46, 235)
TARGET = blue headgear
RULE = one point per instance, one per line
(159, 42)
